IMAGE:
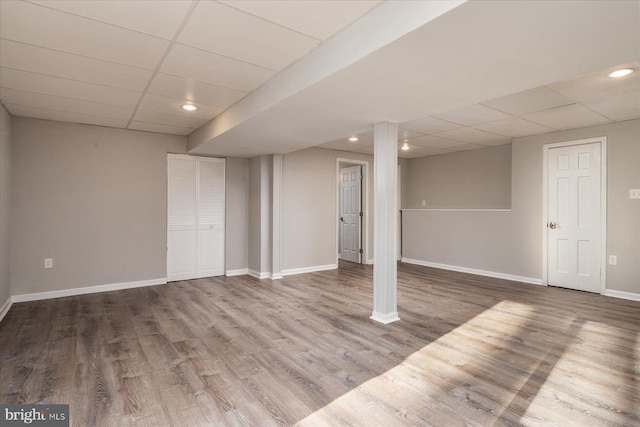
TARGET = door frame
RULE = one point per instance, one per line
(602, 140)
(364, 191)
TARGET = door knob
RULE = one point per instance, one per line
(342, 219)
(552, 225)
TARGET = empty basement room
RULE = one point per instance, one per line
(319, 213)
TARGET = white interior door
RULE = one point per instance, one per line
(573, 218)
(195, 217)
(351, 213)
(210, 217)
(181, 218)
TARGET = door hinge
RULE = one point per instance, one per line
(360, 250)
(361, 213)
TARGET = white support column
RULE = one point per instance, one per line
(276, 272)
(385, 274)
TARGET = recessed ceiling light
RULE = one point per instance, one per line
(621, 72)
(189, 107)
(353, 139)
(405, 146)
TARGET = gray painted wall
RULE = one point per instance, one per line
(309, 207)
(91, 198)
(5, 185)
(237, 213)
(466, 179)
(511, 242)
(260, 197)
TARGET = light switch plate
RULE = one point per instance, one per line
(613, 260)
(634, 193)
(48, 263)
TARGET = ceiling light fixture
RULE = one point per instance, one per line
(621, 72)
(405, 146)
(189, 107)
(353, 139)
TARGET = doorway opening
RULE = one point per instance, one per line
(351, 210)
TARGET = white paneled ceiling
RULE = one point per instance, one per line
(132, 64)
(587, 100)
(451, 81)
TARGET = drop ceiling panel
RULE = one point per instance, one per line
(193, 90)
(472, 136)
(70, 66)
(163, 104)
(464, 147)
(213, 25)
(429, 125)
(63, 116)
(406, 134)
(38, 100)
(432, 141)
(31, 82)
(472, 115)
(415, 152)
(568, 117)
(41, 26)
(196, 64)
(513, 127)
(158, 128)
(619, 107)
(529, 101)
(318, 19)
(142, 15)
(598, 85)
(168, 119)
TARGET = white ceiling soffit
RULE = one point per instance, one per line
(384, 24)
(475, 52)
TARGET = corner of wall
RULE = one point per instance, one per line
(5, 193)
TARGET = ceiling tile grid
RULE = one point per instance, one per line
(138, 61)
(133, 63)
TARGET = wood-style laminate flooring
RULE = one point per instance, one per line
(468, 350)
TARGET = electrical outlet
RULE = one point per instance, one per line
(613, 260)
(634, 193)
(48, 263)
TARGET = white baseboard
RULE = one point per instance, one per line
(87, 290)
(238, 272)
(621, 294)
(302, 270)
(494, 274)
(369, 262)
(259, 275)
(275, 276)
(385, 318)
(5, 308)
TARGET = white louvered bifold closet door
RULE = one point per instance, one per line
(195, 217)
(210, 217)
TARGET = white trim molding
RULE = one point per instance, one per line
(87, 290)
(258, 274)
(385, 318)
(238, 272)
(622, 294)
(457, 210)
(275, 276)
(5, 308)
(494, 274)
(292, 271)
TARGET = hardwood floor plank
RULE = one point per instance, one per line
(468, 351)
